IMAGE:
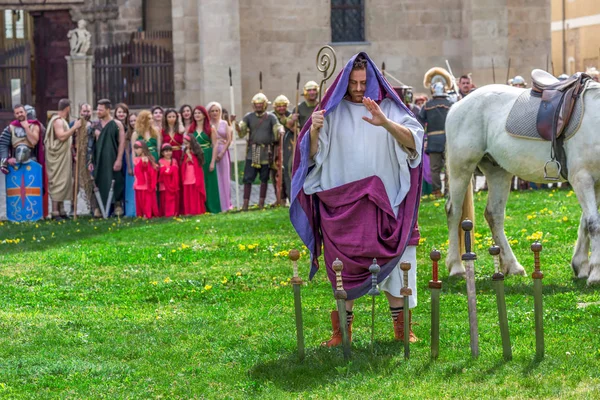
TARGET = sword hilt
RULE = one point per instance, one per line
(294, 255)
(435, 283)
(467, 226)
(405, 267)
(537, 248)
(495, 253)
(374, 270)
(340, 293)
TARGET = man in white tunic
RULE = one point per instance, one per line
(361, 155)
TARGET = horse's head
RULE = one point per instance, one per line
(22, 153)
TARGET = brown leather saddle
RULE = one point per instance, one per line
(556, 109)
(558, 101)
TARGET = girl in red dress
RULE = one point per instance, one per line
(168, 182)
(192, 176)
(145, 175)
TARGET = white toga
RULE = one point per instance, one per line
(351, 149)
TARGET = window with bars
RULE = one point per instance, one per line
(347, 21)
(14, 24)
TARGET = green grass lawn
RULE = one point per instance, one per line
(202, 308)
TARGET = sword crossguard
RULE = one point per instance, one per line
(340, 293)
(405, 267)
(536, 247)
(294, 255)
(374, 270)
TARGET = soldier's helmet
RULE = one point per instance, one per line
(281, 100)
(310, 85)
(260, 98)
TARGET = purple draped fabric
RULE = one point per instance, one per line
(426, 168)
(354, 222)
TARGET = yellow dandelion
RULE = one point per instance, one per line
(565, 219)
(238, 273)
(154, 283)
(207, 287)
(529, 217)
(173, 251)
(422, 240)
(436, 204)
(224, 280)
(550, 195)
(167, 280)
(241, 247)
(570, 193)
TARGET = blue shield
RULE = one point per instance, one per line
(24, 192)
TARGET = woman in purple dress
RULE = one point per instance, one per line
(224, 135)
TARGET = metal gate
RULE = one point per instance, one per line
(136, 73)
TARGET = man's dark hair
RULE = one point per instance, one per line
(63, 104)
(16, 106)
(467, 77)
(360, 62)
(106, 103)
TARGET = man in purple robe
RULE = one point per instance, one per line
(356, 187)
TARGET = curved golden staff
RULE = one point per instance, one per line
(325, 57)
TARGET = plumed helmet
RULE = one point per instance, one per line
(438, 89)
(518, 80)
(30, 111)
(260, 98)
(281, 100)
(435, 75)
(563, 77)
(310, 85)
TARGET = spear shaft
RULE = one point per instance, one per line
(234, 142)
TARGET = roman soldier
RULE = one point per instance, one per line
(21, 142)
(287, 120)
(306, 108)
(433, 117)
(593, 72)
(262, 129)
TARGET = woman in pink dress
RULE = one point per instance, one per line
(224, 134)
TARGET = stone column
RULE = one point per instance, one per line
(80, 81)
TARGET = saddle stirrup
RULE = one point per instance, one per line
(558, 170)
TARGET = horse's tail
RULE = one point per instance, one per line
(468, 212)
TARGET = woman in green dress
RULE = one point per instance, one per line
(206, 136)
(145, 131)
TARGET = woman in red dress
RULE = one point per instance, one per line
(172, 132)
(169, 182)
(145, 181)
(192, 176)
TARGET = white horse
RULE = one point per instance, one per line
(475, 127)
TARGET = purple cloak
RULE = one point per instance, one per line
(354, 222)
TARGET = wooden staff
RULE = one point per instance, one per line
(406, 292)
(508, 71)
(538, 301)
(340, 298)
(374, 291)
(493, 70)
(279, 174)
(294, 255)
(498, 282)
(435, 286)
(234, 142)
(82, 132)
(260, 82)
(383, 69)
(469, 258)
(296, 125)
(325, 57)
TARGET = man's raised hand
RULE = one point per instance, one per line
(379, 118)
(25, 124)
(318, 117)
